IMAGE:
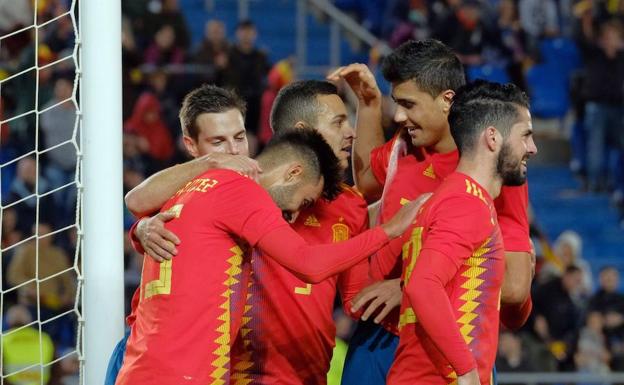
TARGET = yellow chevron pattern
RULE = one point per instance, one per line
(472, 294)
(452, 377)
(240, 374)
(221, 364)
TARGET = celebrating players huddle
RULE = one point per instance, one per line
(244, 257)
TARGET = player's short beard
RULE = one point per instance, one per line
(509, 169)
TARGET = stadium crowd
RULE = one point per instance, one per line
(576, 324)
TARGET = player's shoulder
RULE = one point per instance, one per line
(349, 197)
(460, 192)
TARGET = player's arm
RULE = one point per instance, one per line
(368, 125)
(511, 207)
(431, 304)
(354, 279)
(315, 263)
(153, 192)
(455, 226)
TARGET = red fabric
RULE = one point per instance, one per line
(514, 316)
(184, 331)
(291, 328)
(512, 206)
(454, 264)
(413, 179)
(155, 132)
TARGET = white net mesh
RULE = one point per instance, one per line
(40, 192)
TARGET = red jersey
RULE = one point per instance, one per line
(454, 264)
(421, 172)
(290, 333)
(191, 307)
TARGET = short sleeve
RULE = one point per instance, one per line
(511, 207)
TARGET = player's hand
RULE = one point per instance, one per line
(470, 378)
(404, 217)
(361, 80)
(385, 295)
(240, 163)
(158, 242)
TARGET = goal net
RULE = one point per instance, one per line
(41, 190)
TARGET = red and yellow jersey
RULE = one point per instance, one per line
(453, 267)
(420, 172)
(289, 332)
(190, 307)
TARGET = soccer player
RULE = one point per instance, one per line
(191, 307)
(214, 134)
(290, 333)
(424, 77)
(454, 260)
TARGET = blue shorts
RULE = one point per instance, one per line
(370, 355)
(114, 364)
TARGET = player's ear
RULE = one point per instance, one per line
(190, 145)
(294, 173)
(493, 138)
(446, 98)
(300, 125)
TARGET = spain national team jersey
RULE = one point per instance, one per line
(289, 332)
(453, 267)
(190, 307)
(421, 172)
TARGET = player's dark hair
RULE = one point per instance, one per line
(247, 23)
(307, 145)
(205, 100)
(297, 102)
(482, 104)
(430, 64)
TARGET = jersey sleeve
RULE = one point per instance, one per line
(512, 206)
(249, 213)
(134, 240)
(457, 225)
(354, 279)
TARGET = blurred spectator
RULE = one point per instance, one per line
(512, 38)
(511, 356)
(62, 36)
(57, 125)
(568, 249)
(466, 32)
(538, 19)
(9, 231)
(213, 50)
(24, 347)
(158, 83)
(29, 263)
(23, 187)
(607, 298)
(603, 56)
(15, 15)
(614, 331)
(557, 315)
(148, 124)
(592, 355)
(131, 59)
(246, 71)
(167, 12)
(163, 49)
(280, 75)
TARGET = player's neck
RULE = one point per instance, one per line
(446, 145)
(482, 172)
